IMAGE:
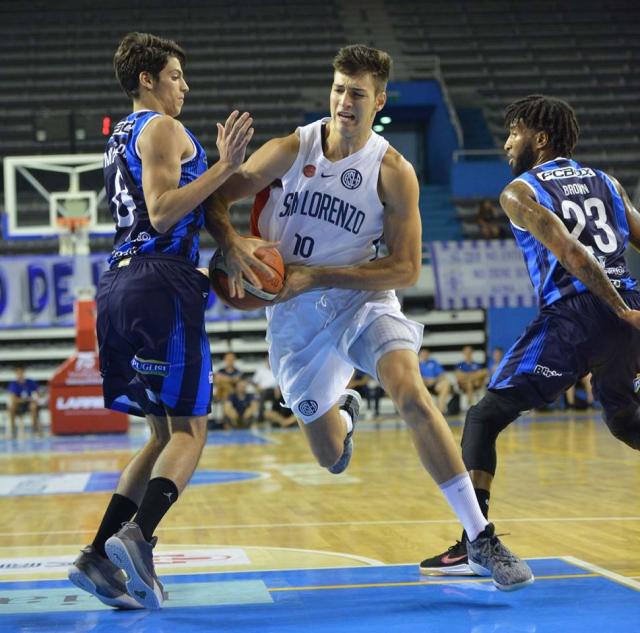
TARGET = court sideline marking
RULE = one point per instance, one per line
(453, 521)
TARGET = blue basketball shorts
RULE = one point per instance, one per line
(154, 351)
(567, 340)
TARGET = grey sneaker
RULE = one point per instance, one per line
(489, 557)
(129, 550)
(350, 402)
(101, 578)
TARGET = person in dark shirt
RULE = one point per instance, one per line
(368, 389)
(225, 379)
(240, 407)
(23, 398)
(278, 414)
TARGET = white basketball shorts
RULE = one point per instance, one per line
(317, 338)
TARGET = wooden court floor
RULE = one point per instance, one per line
(565, 487)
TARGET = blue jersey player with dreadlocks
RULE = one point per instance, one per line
(154, 353)
(573, 224)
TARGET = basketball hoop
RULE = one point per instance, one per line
(73, 224)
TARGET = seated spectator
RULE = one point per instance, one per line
(488, 220)
(471, 376)
(368, 389)
(226, 378)
(434, 378)
(264, 384)
(240, 407)
(23, 398)
(494, 362)
(278, 414)
(570, 394)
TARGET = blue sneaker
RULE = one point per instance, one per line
(350, 402)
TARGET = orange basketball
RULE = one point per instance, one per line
(253, 297)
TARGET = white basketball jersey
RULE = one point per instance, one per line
(326, 213)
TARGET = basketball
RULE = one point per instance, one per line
(254, 297)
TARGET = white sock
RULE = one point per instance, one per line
(347, 420)
(462, 499)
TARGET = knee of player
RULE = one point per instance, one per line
(417, 407)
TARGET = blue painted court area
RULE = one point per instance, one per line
(115, 441)
(389, 599)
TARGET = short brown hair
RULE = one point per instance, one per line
(358, 59)
(140, 52)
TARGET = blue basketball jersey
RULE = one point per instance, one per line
(123, 184)
(588, 204)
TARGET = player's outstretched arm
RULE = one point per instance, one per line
(519, 204)
(270, 162)
(162, 146)
(402, 234)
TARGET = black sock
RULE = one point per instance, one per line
(119, 510)
(161, 494)
(483, 501)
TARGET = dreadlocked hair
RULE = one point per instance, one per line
(546, 114)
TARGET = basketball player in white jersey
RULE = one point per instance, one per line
(334, 188)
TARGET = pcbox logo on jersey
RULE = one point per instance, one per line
(308, 407)
(566, 172)
(546, 371)
(351, 178)
(636, 384)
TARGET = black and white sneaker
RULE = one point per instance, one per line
(350, 401)
(453, 562)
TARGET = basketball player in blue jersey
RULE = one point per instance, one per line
(154, 352)
(341, 186)
(573, 224)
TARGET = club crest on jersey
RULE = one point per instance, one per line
(636, 384)
(309, 171)
(308, 407)
(351, 178)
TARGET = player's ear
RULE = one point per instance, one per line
(541, 139)
(381, 99)
(145, 80)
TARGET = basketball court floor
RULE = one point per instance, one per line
(264, 540)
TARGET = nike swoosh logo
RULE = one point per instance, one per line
(448, 560)
(327, 175)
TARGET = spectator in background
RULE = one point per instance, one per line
(367, 388)
(496, 358)
(434, 378)
(471, 376)
(240, 407)
(225, 379)
(570, 394)
(265, 384)
(488, 220)
(278, 414)
(23, 398)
